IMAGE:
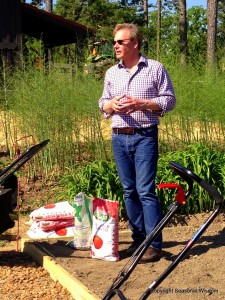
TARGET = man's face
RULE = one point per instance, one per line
(124, 46)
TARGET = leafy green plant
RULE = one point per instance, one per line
(97, 179)
(206, 162)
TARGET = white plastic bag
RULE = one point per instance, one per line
(83, 208)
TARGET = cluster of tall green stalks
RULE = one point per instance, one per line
(63, 107)
(59, 107)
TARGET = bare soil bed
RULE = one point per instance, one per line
(200, 274)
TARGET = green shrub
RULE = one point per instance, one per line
(97, 179)
(206, 162)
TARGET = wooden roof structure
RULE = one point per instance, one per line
(17, 18)
(54, 30)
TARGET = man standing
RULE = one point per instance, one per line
(137, 91)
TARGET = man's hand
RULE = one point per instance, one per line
(116, 104)
(125, 104)
(132, 104)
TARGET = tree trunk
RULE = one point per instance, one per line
(183, 32)
(48, 8)
(212, 6)
(146, 12)
(159, 4)
(48, 5)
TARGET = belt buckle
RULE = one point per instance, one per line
(132, 131)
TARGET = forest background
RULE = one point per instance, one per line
(61, 104)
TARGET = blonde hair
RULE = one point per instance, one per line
(135, 33)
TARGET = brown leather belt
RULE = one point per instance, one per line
(131, 130)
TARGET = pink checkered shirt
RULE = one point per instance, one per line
(150, 81)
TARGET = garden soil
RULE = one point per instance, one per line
(201, 275)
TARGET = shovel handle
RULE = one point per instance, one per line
(21, 160)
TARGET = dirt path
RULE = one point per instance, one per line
(21, 277)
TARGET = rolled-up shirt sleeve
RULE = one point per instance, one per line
(165, 99)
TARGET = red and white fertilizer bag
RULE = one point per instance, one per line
(55, 225)
(35, 232)
(55, 211)
(83, 210)
(52, 220)
(105, 230)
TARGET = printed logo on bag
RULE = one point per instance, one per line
(101, 215)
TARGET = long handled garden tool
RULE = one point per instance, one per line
(181, 197)
(8, 182)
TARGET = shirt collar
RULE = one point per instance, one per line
(143, 60)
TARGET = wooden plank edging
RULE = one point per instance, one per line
(77, 289)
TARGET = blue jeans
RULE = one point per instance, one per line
(136, 159)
